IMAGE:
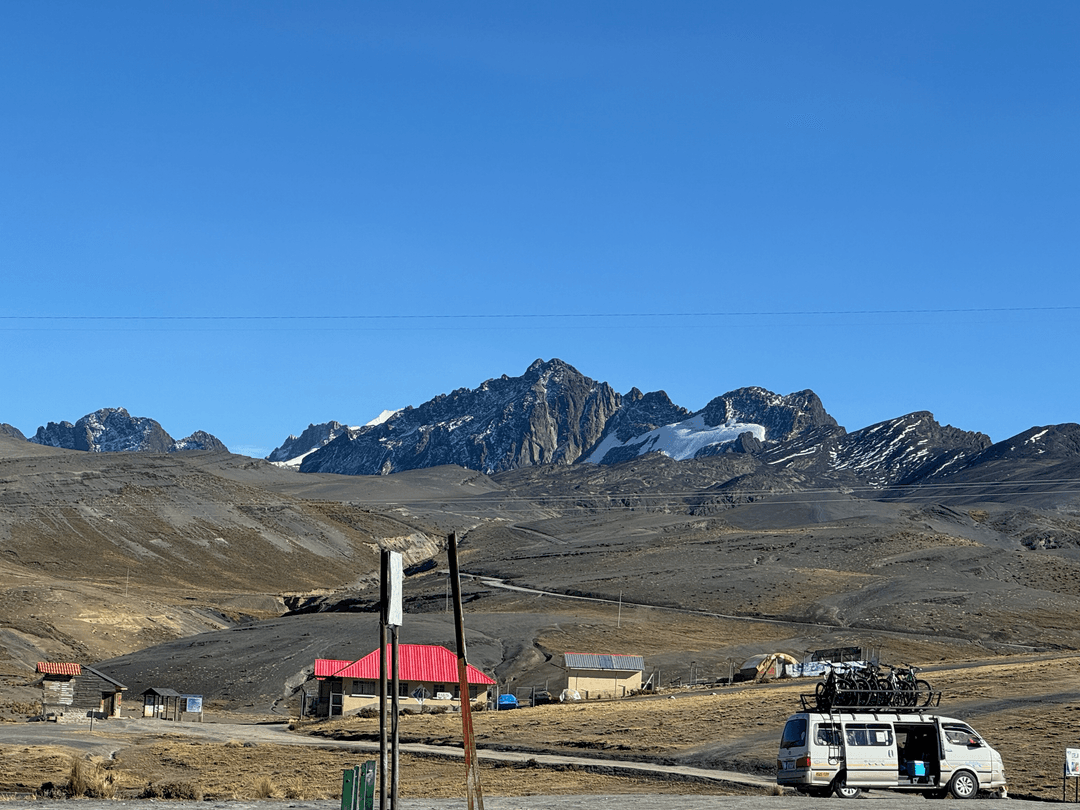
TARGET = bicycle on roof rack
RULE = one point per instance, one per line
(857, 685)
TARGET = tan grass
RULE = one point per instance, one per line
(264, 788)
(91, 779)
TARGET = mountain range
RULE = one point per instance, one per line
(111, 430)
(758, 519)
(555, 415)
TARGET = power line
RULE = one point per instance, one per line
(542, 316)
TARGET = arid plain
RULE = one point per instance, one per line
(148, 566)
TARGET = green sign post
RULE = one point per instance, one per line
(358, 787)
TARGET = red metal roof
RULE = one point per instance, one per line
(416, 662)
(50, 668)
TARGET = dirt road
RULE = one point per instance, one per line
(880, 801)
(107, 739)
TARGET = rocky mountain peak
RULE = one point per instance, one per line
(199, 440)
(549, 415)
(910, 447)
(313, 437)
(12, 431)
(114, 430)
(783, 417)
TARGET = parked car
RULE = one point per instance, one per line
(507, 701)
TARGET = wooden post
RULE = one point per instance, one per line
(384, 590)
(472, 770)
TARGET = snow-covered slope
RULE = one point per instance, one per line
(679, 441)
(296, 448)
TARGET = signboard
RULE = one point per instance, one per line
(393, 614)
(191, 703)
(1072, 762)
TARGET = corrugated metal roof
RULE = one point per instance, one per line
(416, 662)
(162, 691)
(52, 668)
(619, 663)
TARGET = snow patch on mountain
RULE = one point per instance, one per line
(679, 441)
(385, 416)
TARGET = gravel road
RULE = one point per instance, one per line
(118, 733)
(880, 800)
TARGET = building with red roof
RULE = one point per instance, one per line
(71, 691)
(427, 673)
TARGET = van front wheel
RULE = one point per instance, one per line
(963, 785)
(843, 790)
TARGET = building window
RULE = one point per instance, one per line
(363, 688)
(403, 689)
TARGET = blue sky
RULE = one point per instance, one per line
(244, 217)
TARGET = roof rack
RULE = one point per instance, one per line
(875, 700)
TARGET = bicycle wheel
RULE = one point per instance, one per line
(923, 693)
(847, 691)
(822, 696)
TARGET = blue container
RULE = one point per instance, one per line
(915, 769)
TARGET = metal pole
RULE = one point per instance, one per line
(384, 581)
(472, 770)
(396, 671)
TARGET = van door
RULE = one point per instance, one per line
(964, 749)
(870, 750)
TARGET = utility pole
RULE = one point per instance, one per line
(473, 792)
(384, 764)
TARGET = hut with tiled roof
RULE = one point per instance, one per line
(74, 692)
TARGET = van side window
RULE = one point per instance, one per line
(827, 734)
(869, 734)
(794, 733)
(958, 734)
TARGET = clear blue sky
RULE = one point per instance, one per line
(243, 217)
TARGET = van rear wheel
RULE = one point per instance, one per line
(843, 790)
(963, 785)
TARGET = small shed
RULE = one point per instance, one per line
(603, 675)
(72, 691)
(162, 703)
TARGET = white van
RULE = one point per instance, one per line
(844, 752)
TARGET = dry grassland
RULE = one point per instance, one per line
(1027, 708)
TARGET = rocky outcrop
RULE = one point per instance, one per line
(114, 430)
(313, 437)
(549, 415)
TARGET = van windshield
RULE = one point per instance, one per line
(794, 733)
